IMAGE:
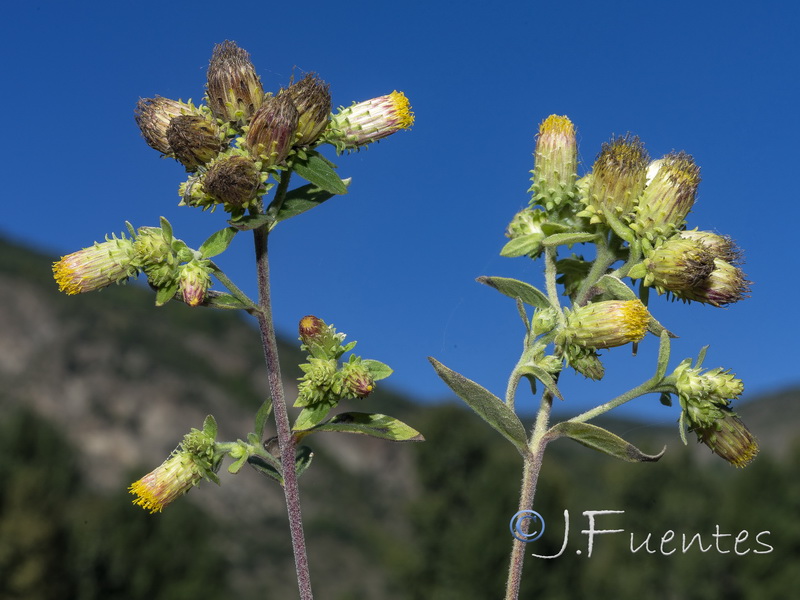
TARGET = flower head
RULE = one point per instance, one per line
(729, 438)
(556, 163)
(153, 116)
(192, 461)
(605, 324)
(675, 266)
(96, 267)
(358, 380)
(194, 140)
(670, 193)
(312, 99)
(272, 130)
(153, 254)
(725, 285)
(194, 280)
(233, 180)
(369, 121)
(234, 90)
(617, 179)
(720, 246)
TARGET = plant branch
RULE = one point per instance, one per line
(285, 441)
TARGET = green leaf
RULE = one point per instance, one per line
(514, 288)
(218, 242)
(249, 222)
(488, 406)
(224, 300)
(304, 198)
(165, 294)
(261, 417)
(319, 171)
(663, 356)
(373, 425)
(236, 465)
(210, 426)
(550, 228)
(311, 416)
(701, 357)
(522, 245)
(377, 369)
(543, 376)
(604, 441)
(567, 239)
(167, 229)
(260, 464)
(657, 328)
(615, 288)
(302, 459)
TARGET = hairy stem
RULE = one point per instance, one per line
(532, 467)
(285, 441)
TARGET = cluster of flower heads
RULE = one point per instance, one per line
(644, 202)
(628, 199)
(232, 144)
(325, 382)
(169, 264)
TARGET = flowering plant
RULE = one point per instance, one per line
(236, 148)
(633, 211)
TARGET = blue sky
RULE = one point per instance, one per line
(393, 263)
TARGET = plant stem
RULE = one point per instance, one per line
(285, 441)
(532, 467)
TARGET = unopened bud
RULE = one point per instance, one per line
(605, 324)
(556, 163)
(194, 281)
(675, 266)
(357, 379)
(234, 181)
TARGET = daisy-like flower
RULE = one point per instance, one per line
(605, 324)
(193, 461)
(369, 121)
(95, 267)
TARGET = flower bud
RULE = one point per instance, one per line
(194, 140)
(720, 246)
(234, 181)
(725, 285)
(675, 266)
(729, 438)
(154, 255)
(556, 163)
(194, 280)
(312, 99)
(670, 193)
(585, 361)
(234, 90)
(312, 329)
(369, 121)
(153, 116)
(191, 462)
(357, 379)
(605, 324)
(95, 267)
(618, 178)
(272, 130)
(321, 383)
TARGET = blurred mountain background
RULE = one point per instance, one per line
(97, 390)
